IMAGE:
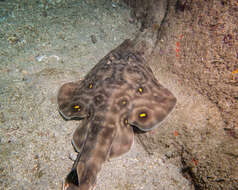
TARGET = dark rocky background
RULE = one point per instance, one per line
(197, 42)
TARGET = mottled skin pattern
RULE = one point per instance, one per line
(119, 93)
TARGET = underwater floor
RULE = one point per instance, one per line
(42, 47)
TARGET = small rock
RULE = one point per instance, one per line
(114, 5)
(36, 156)
(39, 58)
(93, 39)
(72, 156)
(169, 154)
(13, 39)
(2, 117)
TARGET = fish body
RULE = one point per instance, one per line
(119, 93)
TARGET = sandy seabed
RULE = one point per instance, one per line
(42, 47)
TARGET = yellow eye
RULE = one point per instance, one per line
(77, 107)
(123, 102)
(142, 115)
(90, 86)
(140, 90)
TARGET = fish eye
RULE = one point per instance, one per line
(140, 90)
(77, 108)
(142, 115)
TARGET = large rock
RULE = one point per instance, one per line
(199, 50)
